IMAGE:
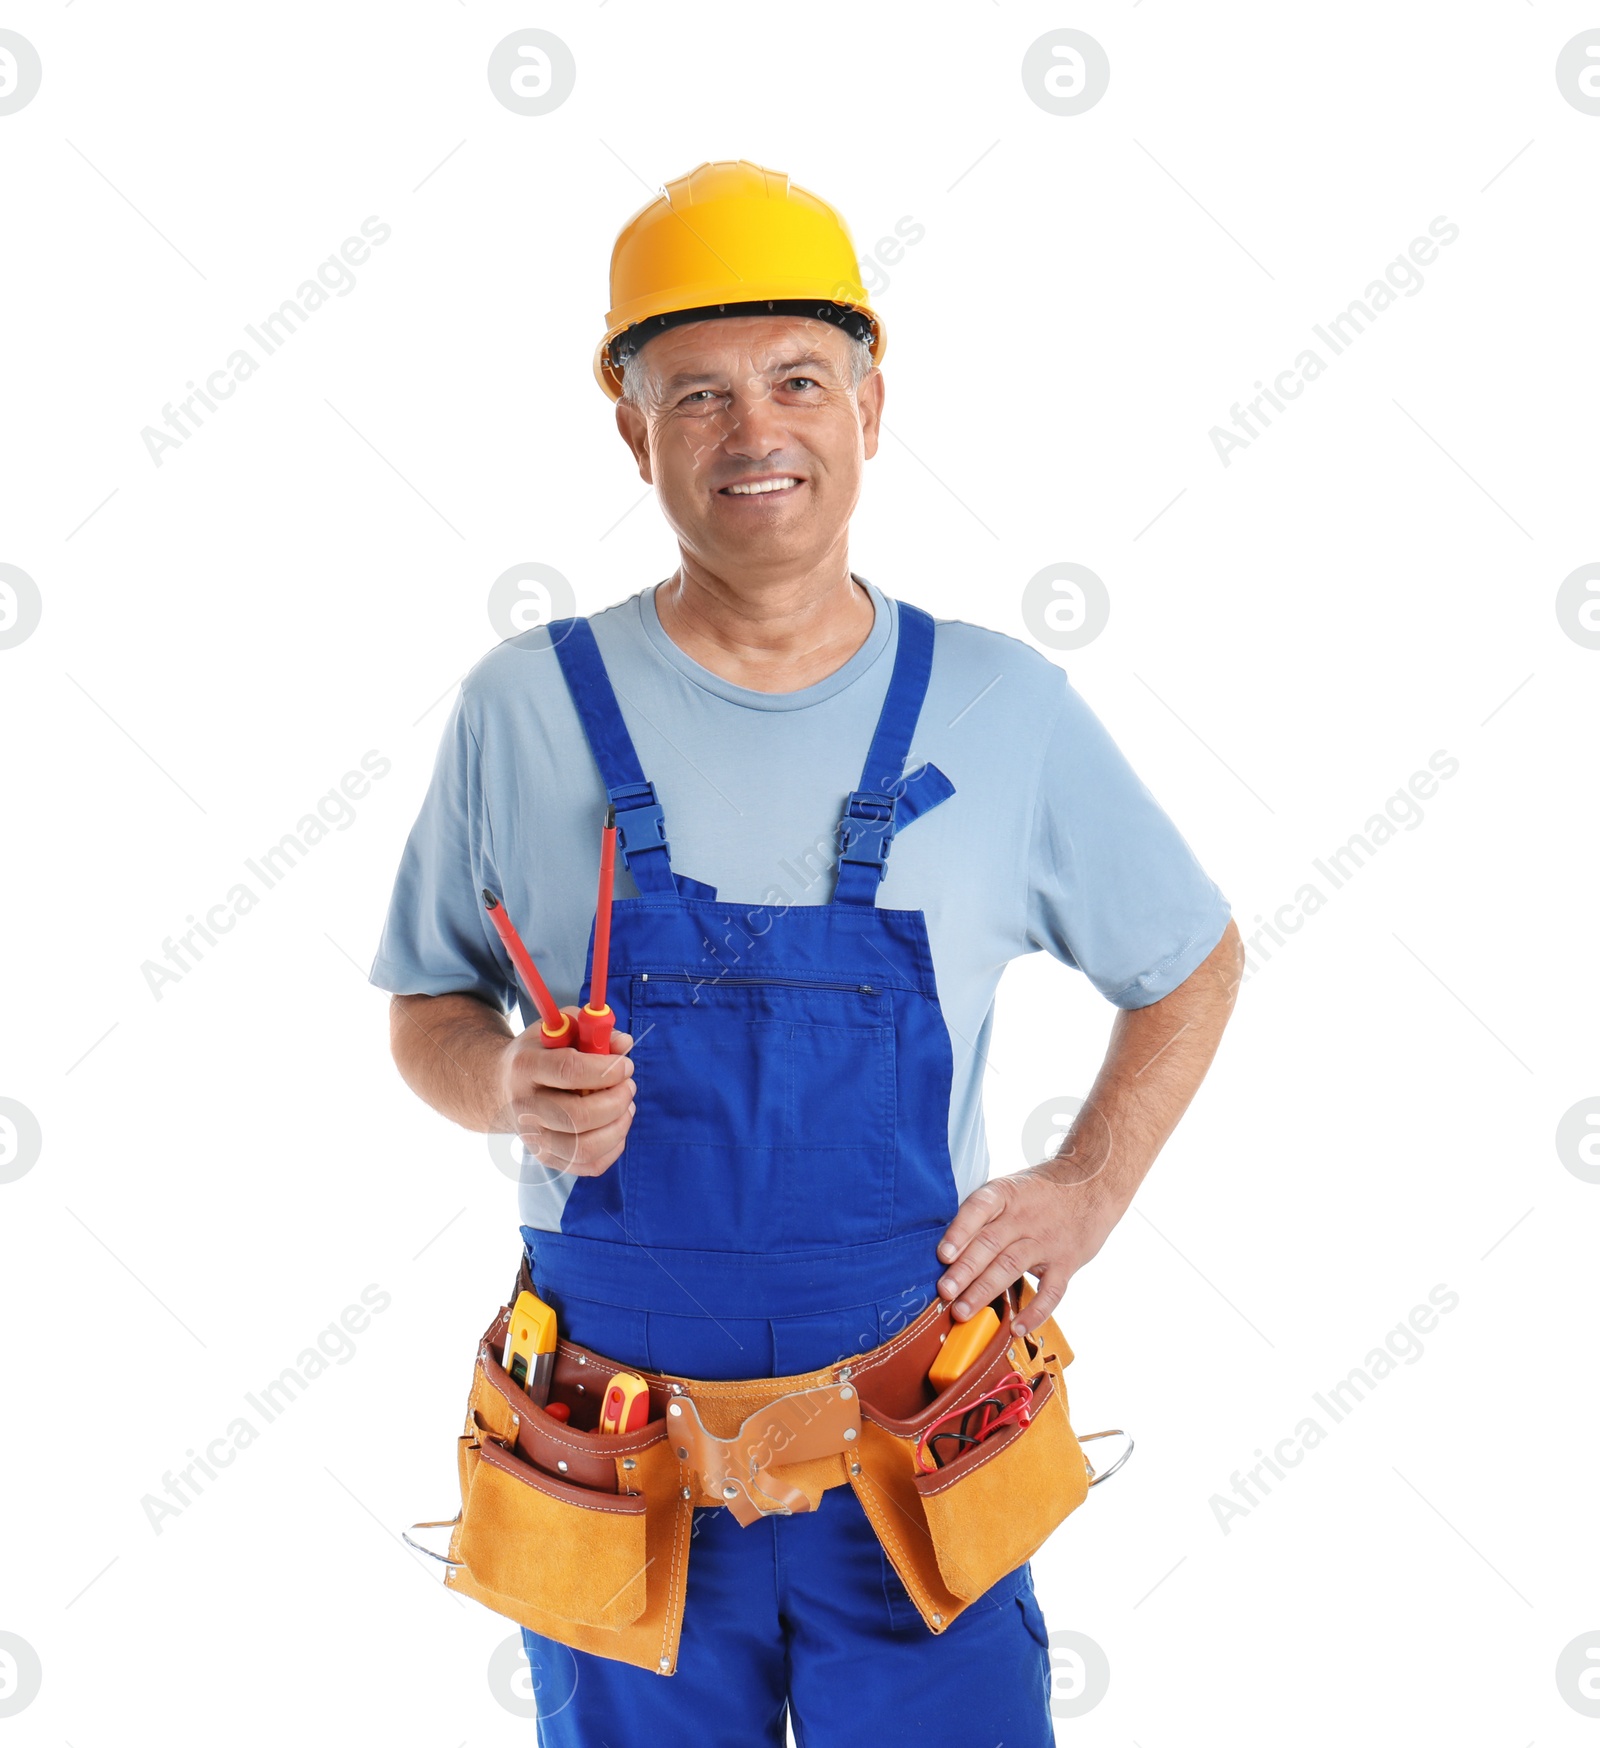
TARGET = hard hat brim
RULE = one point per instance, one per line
(852, 317)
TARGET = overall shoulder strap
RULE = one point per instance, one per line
(641, 825)
(887, 800)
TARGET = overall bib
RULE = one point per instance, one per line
(786, 1181)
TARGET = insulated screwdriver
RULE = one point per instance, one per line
(555, 1028)
(595, 1018)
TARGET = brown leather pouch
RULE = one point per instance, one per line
(569, 1450)
(580, 1535)
(993, 1507)
(953, 1533)
(584, 1536)
(573, 1552)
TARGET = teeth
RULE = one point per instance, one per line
(756, 487)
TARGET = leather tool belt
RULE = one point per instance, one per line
(585, 1537)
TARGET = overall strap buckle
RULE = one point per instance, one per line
(640, 820)
(871, 816)
(866, 829)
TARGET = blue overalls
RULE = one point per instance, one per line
(777, 1208)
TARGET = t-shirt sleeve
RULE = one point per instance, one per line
(1113, 888)
(436, 937)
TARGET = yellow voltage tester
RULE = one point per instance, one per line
(531, 1346)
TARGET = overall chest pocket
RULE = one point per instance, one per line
(766, 1113)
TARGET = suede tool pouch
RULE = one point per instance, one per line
(954, 1533)
(579, 1535)
(568, 1551)
(992, 1508)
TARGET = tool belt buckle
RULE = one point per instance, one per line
(744, 1472)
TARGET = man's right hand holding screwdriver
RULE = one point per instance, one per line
(572, 1110)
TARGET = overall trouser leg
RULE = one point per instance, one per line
(864, 1669)
(731, 1685)
(807, 1611)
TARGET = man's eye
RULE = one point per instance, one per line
(809, 381)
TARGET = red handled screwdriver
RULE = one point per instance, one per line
(595, 1018)
(555, 1028)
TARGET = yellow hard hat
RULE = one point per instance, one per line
(731, 239)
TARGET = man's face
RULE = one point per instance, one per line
(754, 400)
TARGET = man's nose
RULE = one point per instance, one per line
(755, 424)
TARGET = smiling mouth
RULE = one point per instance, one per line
(775, 487)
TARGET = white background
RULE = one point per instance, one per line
(1373, 580)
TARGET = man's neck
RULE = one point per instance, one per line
(768, 637)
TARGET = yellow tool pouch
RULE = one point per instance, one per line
(955, 1532)
(582, 1536)
(585, 1537)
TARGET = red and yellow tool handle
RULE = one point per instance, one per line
(594, 1030)
(625, 1407)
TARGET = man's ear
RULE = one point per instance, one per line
(869, 398)
(635, 433)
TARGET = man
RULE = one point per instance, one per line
(783, 1160)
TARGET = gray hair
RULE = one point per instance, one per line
(634, 369)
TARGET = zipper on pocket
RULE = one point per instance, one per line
(782, 982)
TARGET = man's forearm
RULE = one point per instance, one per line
(449, 1050)
(1157, 1057)
(1053, 1218)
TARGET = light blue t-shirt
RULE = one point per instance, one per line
(1050, 841)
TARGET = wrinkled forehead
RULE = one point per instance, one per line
(762, 347)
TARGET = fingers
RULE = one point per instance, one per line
(991, 1250)
(1052, 1289)
(1005, 1267)
(583, 1155)
(982, 1206)
(971, 1240)
(572, 1109)
(567, 1069)
(575, 1113)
